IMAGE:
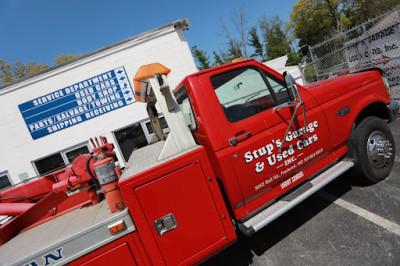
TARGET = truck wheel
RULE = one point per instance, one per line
(374, 149)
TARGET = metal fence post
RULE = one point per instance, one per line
(313, 62)
(303, 76)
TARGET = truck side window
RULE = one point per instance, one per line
(182, 98)
(279, 88)
(242, 93)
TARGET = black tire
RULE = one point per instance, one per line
(373, 149)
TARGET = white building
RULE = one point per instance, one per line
(47, 119)
(279, 64)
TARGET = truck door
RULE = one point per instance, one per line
(255, 104)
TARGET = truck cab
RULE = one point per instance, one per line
(261, 144)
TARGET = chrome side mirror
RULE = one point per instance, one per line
(295, 97)
(291, 85)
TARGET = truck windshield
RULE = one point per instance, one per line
(182, 98)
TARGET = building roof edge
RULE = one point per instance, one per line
(182, 24)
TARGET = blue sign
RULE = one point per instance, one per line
(77, 103)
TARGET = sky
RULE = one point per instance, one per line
(41, 30)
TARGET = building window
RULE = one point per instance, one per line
(149, 130)
(72, 154)
(129, 139)
(163, 124)
(50, 163)
(5, 180)
(60, 159)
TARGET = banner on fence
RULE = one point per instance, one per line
(378, 48)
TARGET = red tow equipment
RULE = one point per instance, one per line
(107, 175)
(92, 174)
(97, 169)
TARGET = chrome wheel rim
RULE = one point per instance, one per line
(379, 150)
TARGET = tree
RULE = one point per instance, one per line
(18, 70)
(254, 41)
(315, 20)
(201, 58)
(231, 44)
(359, 11)
(239, 19)
(65, 58)
(5, 72)
(234, 49)
(217, 59)
(236, 42)
(276, 40)
(226, 57)
(335, 13)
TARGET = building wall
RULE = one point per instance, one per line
(167, 46)
(279, 65)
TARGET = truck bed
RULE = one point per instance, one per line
(77, 233)
(83, 230)
(146, 158)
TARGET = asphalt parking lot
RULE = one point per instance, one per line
(349, 222)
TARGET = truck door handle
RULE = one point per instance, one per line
(233, 141)
(165, 224)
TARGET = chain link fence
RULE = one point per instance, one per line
(375, 43)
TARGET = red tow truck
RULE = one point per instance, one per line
(246, 144)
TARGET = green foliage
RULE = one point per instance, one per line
(18, 70)
(274, 37)
(236, 40)
(311, 22)
(217, 59)
(234, 49)
(201, 58)
(239, 18)
(226, 58)
(5, 72)
(62, 58)
(254, 42)
(293, 58)
(314, 21)
(310, 74)
(276, 40)
(359, 11)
